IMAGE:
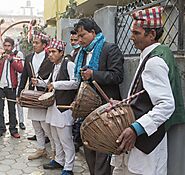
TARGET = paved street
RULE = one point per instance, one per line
(14, 153)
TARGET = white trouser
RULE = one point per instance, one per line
(65, 150)
(20, 113)
(123, 168)
(41, 129)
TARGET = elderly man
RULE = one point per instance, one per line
(144, 143)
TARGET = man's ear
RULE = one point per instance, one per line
(93, 32)
(152, 34)
(62, 53)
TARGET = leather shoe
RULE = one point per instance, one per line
(22, 126)
(47, 140)
(15, 135)
(67, 172)
(77, 146)
(53, 165)
(32, 138)
(2, 132)
(8, 123)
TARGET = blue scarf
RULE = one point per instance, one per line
(97, 45)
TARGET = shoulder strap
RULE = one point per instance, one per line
(138, 76)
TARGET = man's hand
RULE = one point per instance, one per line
(34, 81)
(86, 74)
(18, 99)
(50, 87)
(127, 140)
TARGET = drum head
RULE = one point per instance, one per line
(46, 96)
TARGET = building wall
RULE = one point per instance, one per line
(51, 7)
(107, 13)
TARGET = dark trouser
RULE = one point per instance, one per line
(98, 163)
(76, 132)
(9, 93)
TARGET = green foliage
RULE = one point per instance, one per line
(26, 44)
(71, 11)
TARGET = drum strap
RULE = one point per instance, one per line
(138, 76)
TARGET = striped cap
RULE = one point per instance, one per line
(56, 44)
(148, 18)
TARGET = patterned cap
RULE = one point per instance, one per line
(41, 36)
(148, 18)
(56, 44)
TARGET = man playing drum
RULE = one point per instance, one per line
(61, 120)
(103, 62)
(144, 143)
(37, 65)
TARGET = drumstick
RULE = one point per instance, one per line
(17, 58)
(101, 91)
(64, 107)
(45, 82)
(132, 96)
(11, 100)
(116, 103)
(42, 80)
(32, 70)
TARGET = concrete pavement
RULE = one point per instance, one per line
(14, 156)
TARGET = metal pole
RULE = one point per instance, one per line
(56, 10)
(181, 30)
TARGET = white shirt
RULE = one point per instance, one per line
(5, 78)
(62, 84)
(37, 114)
(54, 116)
(37, 61)
(20, 55)
(156, 83)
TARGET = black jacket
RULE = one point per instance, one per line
(110, 72)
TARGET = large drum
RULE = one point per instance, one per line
(36, 99)
(86, 101)
(102, 127)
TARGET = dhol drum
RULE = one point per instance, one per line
(47, 99)
(36, 99)
(86, 101)
(102, 127)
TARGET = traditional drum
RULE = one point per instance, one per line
(102, 127)
(86, 101)
(30, 99)
(47, 99)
